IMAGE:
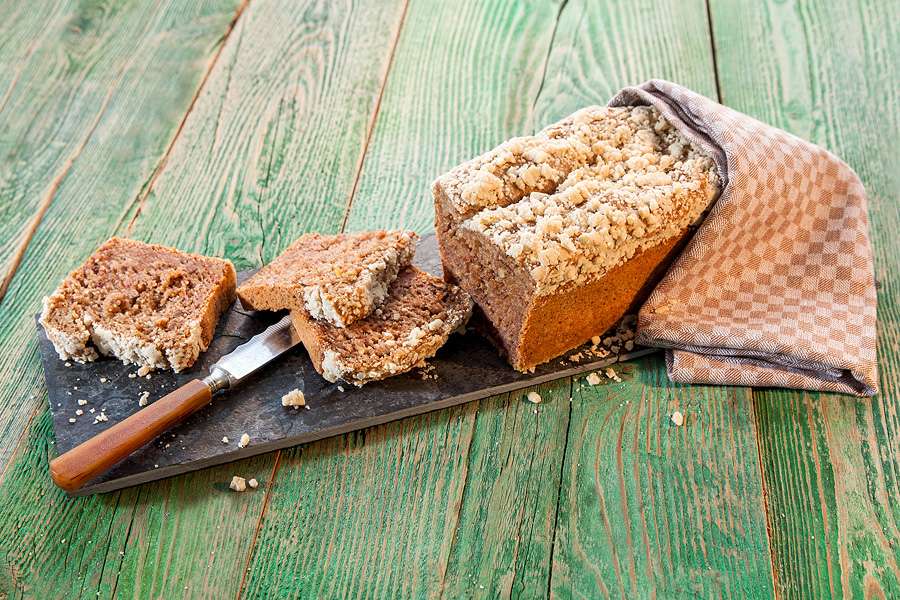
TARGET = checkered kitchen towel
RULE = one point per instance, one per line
(776, 288)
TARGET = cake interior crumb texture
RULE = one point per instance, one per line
(557, 235)
(148, 305)
(415, 320)
(337, 278)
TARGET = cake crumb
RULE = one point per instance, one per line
(142, 401)
(68, 364)
(144, 370)
(82, 402)
(238, 484)
(101, 418)
(71, 419)
(611, 373)
(103, 380)
(131, 376)
(244, 441)
(79, 412)
(294, 398)
(678, 418)
(595, 340)
(340, 388)
(534, 397)
(225, 439)
(629, 346)
(593, 379)
(253, 483)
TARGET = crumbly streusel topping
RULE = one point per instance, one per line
(586, 194)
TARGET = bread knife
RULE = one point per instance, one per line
(97, 455)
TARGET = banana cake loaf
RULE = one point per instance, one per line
(145, 304)
(557, 235)
(338, 278)
(415, 319)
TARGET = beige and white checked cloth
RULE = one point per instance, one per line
(776, 288)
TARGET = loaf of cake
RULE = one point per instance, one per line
(415, 319)
(557, 235)
(337, 278)
(145, 304)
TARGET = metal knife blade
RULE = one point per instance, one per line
(263, 347)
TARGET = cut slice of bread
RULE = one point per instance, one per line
(145, 304)
(418, 315)
(337, 278)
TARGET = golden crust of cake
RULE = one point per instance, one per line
(146, 304)
(415, 320)
(337, 278)
(584, 195)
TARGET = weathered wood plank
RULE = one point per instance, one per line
(378, 513)
(828, 72)
(450, 97)
(648, 509)
(133, 96)
(68, 69)
(191, 531)
(507, 518)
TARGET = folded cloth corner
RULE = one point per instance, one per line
(777, 287)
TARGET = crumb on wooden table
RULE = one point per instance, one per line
(593, 379)
(678, 418)
(253, 483)
(534, 397)
(238, 484)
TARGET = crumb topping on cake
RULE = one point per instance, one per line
(337, 278)
(586, 194)
(419, 314)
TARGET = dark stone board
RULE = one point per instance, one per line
(466, 368)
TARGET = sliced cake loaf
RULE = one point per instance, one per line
(338, 278)
(418, 315)
(556, 235)
(145, 304)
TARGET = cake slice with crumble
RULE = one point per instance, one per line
(558, 234)
(414, 321)
(336, 278)
(149, 305)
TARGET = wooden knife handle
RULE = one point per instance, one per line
(97, 455)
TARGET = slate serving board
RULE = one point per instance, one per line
(466, 368)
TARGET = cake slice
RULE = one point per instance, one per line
(145, 304)
(557, 235)
(418, 315)
(337, 278)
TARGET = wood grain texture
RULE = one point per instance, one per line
(647, 509)
(69, 71)
(135, 74)
(188, 536)
(463, 80)
(273, 153)
(828, 72)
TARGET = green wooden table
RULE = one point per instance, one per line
(230, 128)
